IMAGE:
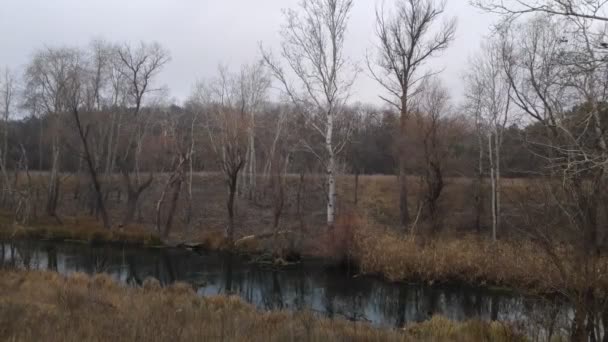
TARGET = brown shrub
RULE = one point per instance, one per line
(338, 242)
(467, 259)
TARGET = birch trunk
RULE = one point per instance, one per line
(497, 146)
(331, 172)
(479, 185)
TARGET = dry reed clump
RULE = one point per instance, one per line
(42, 306)
(440, 328)
(337, 244)
(151, 284)
(465, 259)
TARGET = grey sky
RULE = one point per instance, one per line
(203, 33)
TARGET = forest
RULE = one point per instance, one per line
(277, 161)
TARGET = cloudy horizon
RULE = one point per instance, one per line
(201, 35)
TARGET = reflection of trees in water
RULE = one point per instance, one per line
(227, 273)
(51, 257)
(132, 277)
(98, 261)
(25, 254)
(315, 289)
(344, 297)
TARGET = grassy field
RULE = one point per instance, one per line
(377, 201)
(37, 306)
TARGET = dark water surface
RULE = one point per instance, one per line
(309, 286)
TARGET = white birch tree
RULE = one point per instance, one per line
(489, 92)
(318, 77)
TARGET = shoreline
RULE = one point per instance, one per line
(458, 261)
(78, 307)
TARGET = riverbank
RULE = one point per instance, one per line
(47, 306)
(352, 243)
(77, 229)
(472, 260)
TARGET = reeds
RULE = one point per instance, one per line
(37, 306)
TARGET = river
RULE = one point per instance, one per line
(309, 286)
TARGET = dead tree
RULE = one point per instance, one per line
(407, 39)
(227, 127)
(490, 95)
(253, 85)
(139, 66)
(432, 112)
(174, 185)
(182, 147)
(555, 66)
(46, 85)
(586, 9)
(7, 95)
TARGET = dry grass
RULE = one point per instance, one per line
(84, 229)
(37, 306)
(465, 259)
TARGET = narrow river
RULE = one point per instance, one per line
(308, 286)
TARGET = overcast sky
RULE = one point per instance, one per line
(203, 33)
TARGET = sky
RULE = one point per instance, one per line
(201, 34)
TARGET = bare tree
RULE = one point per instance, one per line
(490, 95)
(313, 49)
(586, 9)
(555, 65)
(432, 114)
(46, 88)
(61, 78)
(78, 77)
(254, 83)
(7, 95)
(139, 66)
(473, 105)
(407, 39)
(228, 131)
(181, 147)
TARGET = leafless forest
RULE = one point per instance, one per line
(280, 147)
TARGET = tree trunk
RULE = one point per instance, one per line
(479, 186)
(232, 187)
(133, 194)
(356, 188)
(403, 188)
(493, 184)
(578, 333)
(173, 205)
(497, 146)
(331, 171)
(251, 161)
(92, 172)
(174, 183)
(53, 188)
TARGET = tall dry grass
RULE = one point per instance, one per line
(45, 306)
(464, 259)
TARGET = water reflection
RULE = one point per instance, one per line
(307, 287)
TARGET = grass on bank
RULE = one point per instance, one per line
(81, 229)
(466, 259)
(370, 248)
(47, 306)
